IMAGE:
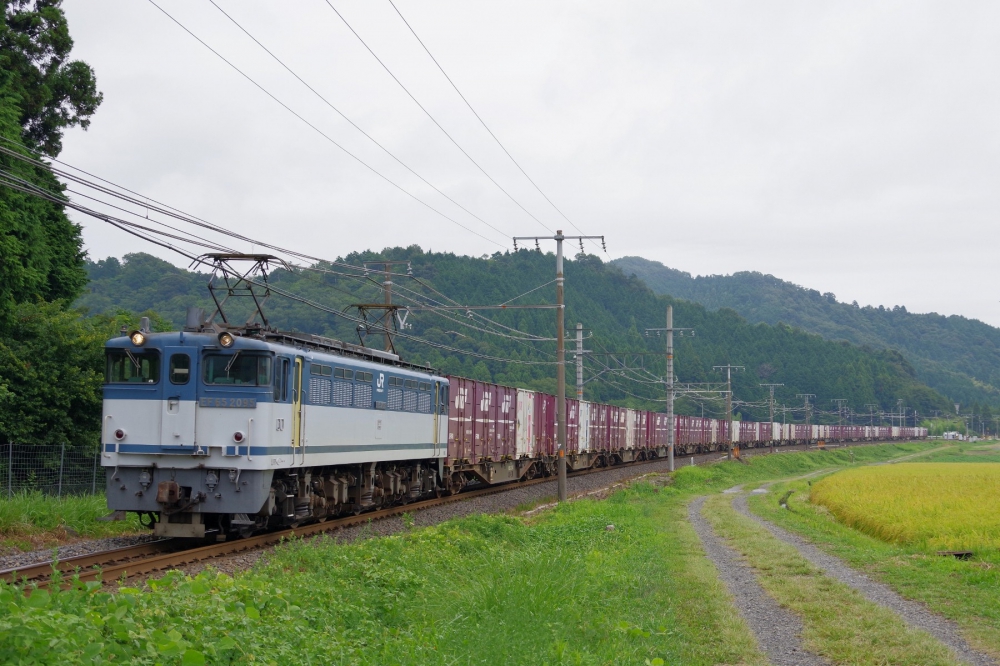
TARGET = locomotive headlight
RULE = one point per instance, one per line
(226, 339)
(138, 338)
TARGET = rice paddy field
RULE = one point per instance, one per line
(926, 505)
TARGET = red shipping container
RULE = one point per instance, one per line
(461, 418)
(545, 424)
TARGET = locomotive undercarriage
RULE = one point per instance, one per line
(196, 503)
(178, 503)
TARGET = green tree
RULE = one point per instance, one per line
(51, 91)
(41, 249)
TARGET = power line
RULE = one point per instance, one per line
(321, 132)
(433, 119)
(483, 122)
(352, 123)
(144, 232)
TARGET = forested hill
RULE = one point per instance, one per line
(615, 307)
(959, 357)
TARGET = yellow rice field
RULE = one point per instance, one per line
(937, 506)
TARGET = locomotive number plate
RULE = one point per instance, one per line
(241, 403)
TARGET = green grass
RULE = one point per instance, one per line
(967, 592)
(33, 520)
(481, 590)
(966, 452)
(557, 588)
(838, 623)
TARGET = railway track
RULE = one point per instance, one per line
(160, 556)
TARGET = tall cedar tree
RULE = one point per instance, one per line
(50, 359)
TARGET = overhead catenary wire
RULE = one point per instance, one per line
(149, 234)
(351, 122)
(434, 120)
(149, 204)
(156, 236)
(321, 132)
(485, 126)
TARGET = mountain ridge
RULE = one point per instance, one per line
(957, 356)
(615, 306)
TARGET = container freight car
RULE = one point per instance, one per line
(216, 430)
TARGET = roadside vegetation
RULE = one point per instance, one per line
(557, 587)
(838, 623)
(32, 520)
(963, 590)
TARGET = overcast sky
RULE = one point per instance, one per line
(849, 147)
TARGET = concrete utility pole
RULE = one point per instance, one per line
(840, 409)
(771, 386)
(560, 349)
(579, 361)
(784, 413)
(387, 291)
(901, 412)
(671, 428)
(808, 408)
(871, 413)
(729, 405)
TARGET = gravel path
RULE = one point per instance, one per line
(914, 614)
(777, 629)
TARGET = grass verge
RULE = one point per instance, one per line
(962, 590)
(32, 520)
(838, 623)
(558, 588)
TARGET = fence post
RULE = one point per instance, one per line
(93, 485)
(10, 469)
(62, 457)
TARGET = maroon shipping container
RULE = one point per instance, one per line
(598, 427)
(640, 439)
(748, 431)
(481, 420)
(617, 428)
(461, 418)
(662, 430)
(545, 424)
(724, 431)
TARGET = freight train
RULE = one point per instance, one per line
(220, 431)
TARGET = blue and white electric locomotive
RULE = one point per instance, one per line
(216, 430)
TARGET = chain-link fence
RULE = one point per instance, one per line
(53, 469)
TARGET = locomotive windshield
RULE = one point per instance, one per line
(240, 369)
(132, 367)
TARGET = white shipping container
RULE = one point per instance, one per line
(525, 423)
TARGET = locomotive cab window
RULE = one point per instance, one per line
(180, 369)
(239, 369)
(281, 380)
(129, 367)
